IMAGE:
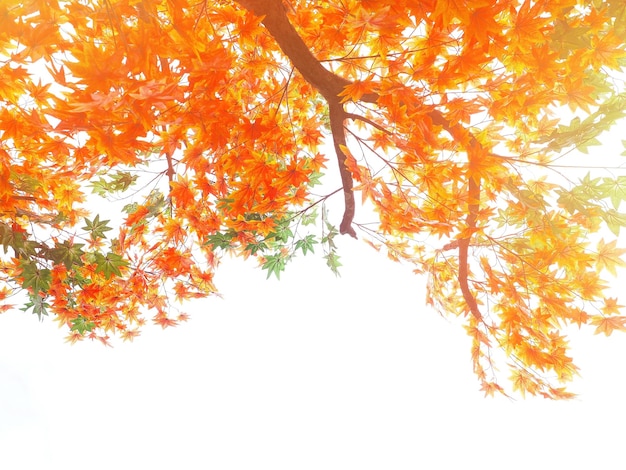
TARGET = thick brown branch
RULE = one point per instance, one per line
(278, 25)
(330, 86)
(460, 134)
(327, 83)
(472, 213)
(337, 116)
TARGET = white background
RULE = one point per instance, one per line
(310, 372)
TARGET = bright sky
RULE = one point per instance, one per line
(310, 372)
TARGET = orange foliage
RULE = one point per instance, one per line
(207, 118)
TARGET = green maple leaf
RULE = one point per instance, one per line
(110, 264)
(81, 324)
(96, 227)
(306, 244)
(67, 253)
(37, 279)
(274, 264)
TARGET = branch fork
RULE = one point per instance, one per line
(330, 86)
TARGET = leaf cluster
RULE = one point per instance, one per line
(455, 122)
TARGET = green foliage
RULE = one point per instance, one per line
(614, 189)
(38, 304)
(282, 232)
(614, 220)
(17, 240)
(315, 178)
(34, 278)
(306, 244)
(328, 241)
(96, 227)
(588, 199)
(118, 182)
(332, 261)
(221, 240)
(275, 264)
(584, 133)
(309, 217)
(67, 253)
(82, 325)
(109, 264)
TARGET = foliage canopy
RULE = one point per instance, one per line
(453, 120)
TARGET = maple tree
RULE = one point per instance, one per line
(453, 120)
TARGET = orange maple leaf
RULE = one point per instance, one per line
(607, 325)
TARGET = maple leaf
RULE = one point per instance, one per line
(529, 25)
(164, 321)
(110, 264)
(524, 383)
(609, 257)
(490, 388)
(174, 262)
(97, 227)
(82, 325)
(355, 91)
(611, 306)
(607, 325)
(129, 334)
(68, 253)
(182, 192)
(578, 94)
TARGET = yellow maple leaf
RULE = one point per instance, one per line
(606, 325)
(609, 256)
(611, 307)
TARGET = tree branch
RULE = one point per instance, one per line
(358, 117)
(460, 134)
(275, 19)
(472, 213)
(337, 116)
